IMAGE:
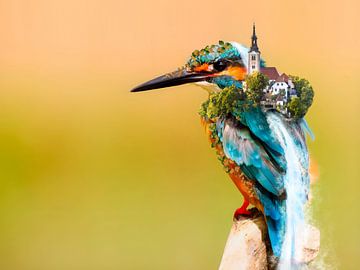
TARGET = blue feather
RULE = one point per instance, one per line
(252, 144)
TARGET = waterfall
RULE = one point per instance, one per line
(296, 183)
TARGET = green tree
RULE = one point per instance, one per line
(222, 103)
(255, 85)
(299, 105)
(295, 108)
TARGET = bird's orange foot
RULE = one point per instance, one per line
(242, 211)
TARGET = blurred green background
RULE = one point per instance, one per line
(95, 177)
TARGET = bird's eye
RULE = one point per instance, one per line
(220, 65)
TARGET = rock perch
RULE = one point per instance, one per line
(247, 247)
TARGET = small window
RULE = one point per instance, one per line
(253, 66)
(253, 57)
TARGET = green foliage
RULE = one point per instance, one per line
(298, 106)
(222, 103)
(255, 84)
(234, 101)
(203, 108)
(295, 108)
(222, 50)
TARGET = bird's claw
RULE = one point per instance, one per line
(241, 212)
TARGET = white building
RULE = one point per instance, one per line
(281, 85)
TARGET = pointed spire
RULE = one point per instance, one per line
(254, 47)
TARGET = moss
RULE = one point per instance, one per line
(222, 50)
(228, 101)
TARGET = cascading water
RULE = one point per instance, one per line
(296, 180)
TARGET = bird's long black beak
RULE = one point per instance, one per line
(178, 77)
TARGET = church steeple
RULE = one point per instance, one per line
(253, 54)
(254, 46)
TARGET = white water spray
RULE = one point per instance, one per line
(296, 185)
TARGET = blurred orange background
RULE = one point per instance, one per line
(95, 177)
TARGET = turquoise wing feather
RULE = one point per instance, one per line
(256, 121)
(261, 159)
(250, 142)
(257, 160)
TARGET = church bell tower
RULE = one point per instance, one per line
(254, 54)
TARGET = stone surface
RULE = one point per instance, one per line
(312, 244)
(247, 246)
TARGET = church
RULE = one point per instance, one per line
(279, 84)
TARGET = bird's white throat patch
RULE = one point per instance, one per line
(209, 87)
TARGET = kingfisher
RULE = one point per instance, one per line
(258, 148)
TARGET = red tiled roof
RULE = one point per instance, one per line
(283, 78)
(270, 72)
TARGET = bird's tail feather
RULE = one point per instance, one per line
(275, 217)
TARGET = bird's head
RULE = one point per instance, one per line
(214, 68)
